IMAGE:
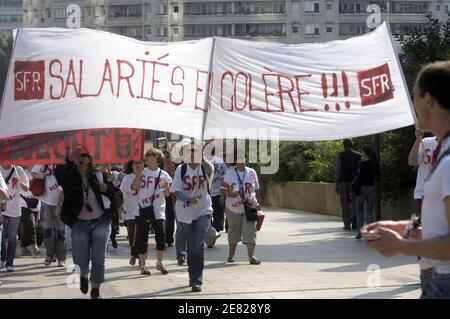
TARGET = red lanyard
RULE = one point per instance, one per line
(438, 149)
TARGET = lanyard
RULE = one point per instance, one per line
(241, 186)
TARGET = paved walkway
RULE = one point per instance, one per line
(303, 255)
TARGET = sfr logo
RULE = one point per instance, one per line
(375, 85)
(29, 81)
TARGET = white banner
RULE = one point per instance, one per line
(63, 79)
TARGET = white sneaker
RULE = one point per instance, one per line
(10, 269)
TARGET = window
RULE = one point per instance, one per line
(329, 29)
(175, 10)
(162, 31)
(329, 6)
(312, 29)
(438, 7)
(60, 13)
(148, 30)
(175, 31)
(295, 28)
(311, 6)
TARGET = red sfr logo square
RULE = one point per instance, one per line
(375, 85)
(29, 80)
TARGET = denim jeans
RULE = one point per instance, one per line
(10, 228)
(180, 242)
(89, 242)
(195, 235)
(437, 288)
(367, 197)
(54, 232)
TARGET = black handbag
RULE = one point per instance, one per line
(251, 213)
(31, 201)
(148, 213)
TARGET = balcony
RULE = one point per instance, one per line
(122, 21)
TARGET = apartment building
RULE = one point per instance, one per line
(10, 14)
(288, 21)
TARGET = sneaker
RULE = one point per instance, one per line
(254, 261)
(196, 288)
(95, 293)
(230, 259)
(145, 271)
(358, 237)
(346, 228)
(181, 260)
(84, 285)
(133, 261)
(48, 261)
(54, 259)
(9, 268)
(160, 267)
(61, 263)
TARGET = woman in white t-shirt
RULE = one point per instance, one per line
(152, 185)
(241, 183)
(17, 182)
(421, 154)
(130, 205)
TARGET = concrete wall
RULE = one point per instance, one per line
(322, 198)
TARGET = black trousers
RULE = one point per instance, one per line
(141, 237)
(170, 221)
(218, 214)
(28, 227)
(131, 229)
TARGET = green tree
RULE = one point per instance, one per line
(5, 54)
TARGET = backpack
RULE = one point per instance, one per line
(207, 175)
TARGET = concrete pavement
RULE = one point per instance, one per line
(304, 255)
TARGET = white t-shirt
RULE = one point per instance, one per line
(220, 169)
(130, 197)
(425, 155)
(193, 184)
(13, 206)
(434, 218)
(250, 184)
(28, 194)
(148, 189)
(51, 193)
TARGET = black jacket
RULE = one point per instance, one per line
(69, 178)
(347, 166)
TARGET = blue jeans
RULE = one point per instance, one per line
(195, 235)
(10, 227)
(437, 288)
(89, 242)
(180, 242)
(367, 197)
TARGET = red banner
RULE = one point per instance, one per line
(107, 146)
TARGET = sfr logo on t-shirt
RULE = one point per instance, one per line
(375, 85)
(29, 80)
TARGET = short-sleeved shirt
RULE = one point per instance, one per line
(130, 197)
(434, 218)
(13, 200)
(425, 154)
(194, 183)
(250, 185)
(148, 190)
(220, 169)
(52, 191)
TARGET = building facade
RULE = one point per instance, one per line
(288, 21)
(10, 14)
